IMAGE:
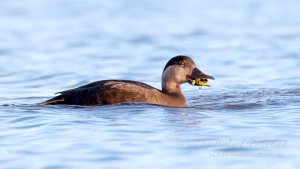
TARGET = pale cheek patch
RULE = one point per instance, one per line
(167, 74)
(174, 72)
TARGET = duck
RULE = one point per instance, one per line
(178, 70)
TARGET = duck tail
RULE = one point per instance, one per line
(56, 100)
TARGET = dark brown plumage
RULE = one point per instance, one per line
(178, 70)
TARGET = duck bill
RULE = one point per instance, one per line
(198, 78)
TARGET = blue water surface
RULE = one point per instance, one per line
(248, 119)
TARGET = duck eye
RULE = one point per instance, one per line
(180, 63)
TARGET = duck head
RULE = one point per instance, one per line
(181, 69)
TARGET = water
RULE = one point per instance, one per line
(249, 118)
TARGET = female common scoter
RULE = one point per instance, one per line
(178, 70)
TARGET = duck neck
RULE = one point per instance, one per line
(171, 87)
(172, 94)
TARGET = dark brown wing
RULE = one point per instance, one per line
(104, 92)
(107, 84)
